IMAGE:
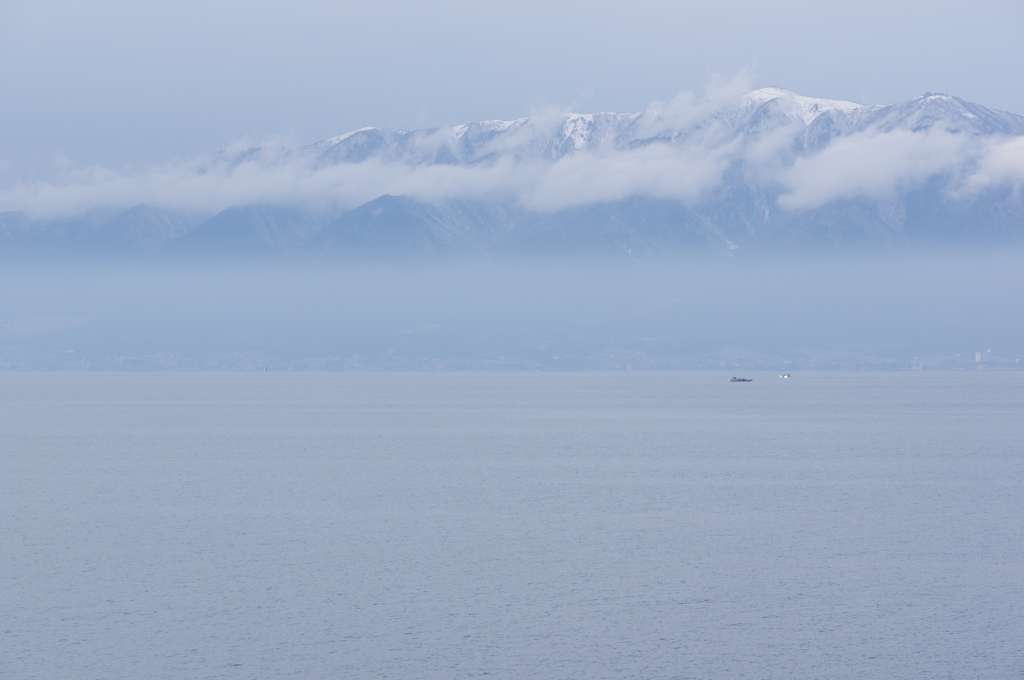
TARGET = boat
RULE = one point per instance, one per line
(785, 375)
(735, 379)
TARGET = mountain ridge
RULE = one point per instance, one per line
(769, 168)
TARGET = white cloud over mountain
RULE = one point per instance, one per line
(805, 152)
(876, 165)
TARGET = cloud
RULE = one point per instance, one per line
(874, 165)
(202, 185)
(1001, 164)
(686, 110)
(679, 150)
(656, 170)
(280, 176)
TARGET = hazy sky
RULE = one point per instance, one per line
(126, 81)
(889, 307)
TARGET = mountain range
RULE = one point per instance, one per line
(761, 171)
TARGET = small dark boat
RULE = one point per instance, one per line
(735, 379)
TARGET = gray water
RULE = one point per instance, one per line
(550, 526)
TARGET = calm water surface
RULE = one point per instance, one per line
(548, 526)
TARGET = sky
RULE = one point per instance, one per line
(121, 83)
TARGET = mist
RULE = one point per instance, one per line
(855, 311)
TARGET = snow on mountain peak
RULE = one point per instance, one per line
(577, 129)
(341, 138)
(804, 108)
(551, 136)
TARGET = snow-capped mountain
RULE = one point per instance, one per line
(763, 169)
(754, 114)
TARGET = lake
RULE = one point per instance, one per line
(515, 525)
